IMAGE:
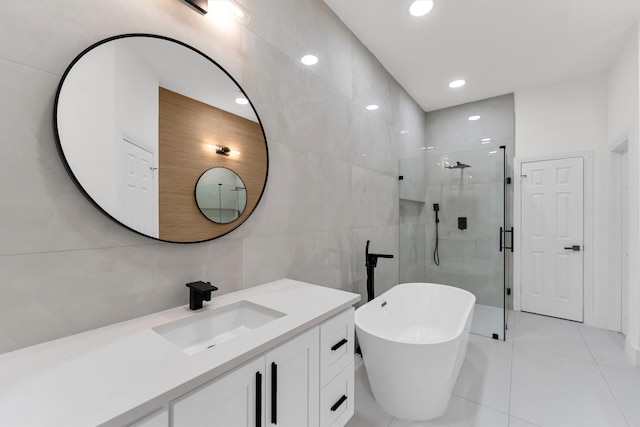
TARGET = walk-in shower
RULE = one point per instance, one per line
(462, 231)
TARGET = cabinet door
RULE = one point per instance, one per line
(236, 399)
(293, 382)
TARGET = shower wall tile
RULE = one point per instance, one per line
(413, 253)
(295, 106)
(481, 204)
(301, 27)
(450, 130)
(411, 128)
(374, 200)
(413, 183)
(316, 257)
(486, 166)
(54, 294)
(372, 84)
(305, 192)
(373, 143)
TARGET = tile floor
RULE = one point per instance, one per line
(549, 372)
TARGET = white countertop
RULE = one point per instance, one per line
(117, 374)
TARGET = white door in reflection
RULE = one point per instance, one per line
(552, 237)
(136, 191)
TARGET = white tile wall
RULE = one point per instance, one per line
(65, 268)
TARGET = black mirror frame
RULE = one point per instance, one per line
(77, 182)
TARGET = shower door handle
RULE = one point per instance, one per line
(505, 239)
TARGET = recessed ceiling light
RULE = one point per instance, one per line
(473, 118)
(485, 140)
(493, 152)
(420, 7)
(404, 131)
(431, 148)
(242, 101)
(457, 83)
(372, 107)
(309, 60)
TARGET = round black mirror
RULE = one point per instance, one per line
(139, 119)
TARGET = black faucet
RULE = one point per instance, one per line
(198, 292)
(371, 263)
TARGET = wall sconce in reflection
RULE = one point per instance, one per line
(222, 150)
(201, 6)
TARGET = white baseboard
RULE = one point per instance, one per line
(632, 353)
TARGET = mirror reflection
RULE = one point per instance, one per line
(139, 118)
(221, 195)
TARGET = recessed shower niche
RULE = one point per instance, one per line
(139, 118)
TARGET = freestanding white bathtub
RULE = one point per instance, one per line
(414, 340)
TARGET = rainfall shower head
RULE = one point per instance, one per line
(458, 165)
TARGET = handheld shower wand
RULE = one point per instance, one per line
(436, 255)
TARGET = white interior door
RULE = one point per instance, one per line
(552, 210)
(136, 191)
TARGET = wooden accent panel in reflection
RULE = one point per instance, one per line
(189, 131)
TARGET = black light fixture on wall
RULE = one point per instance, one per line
(201, 5)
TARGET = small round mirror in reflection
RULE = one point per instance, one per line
(221, 195)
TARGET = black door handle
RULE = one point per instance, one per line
(339, 344)
(274, 393)
(258, 399)
(338, 403)
(575, 248)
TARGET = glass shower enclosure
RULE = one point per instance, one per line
(453, 228)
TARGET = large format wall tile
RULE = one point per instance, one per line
(317, 257)
(47, 35)
(65, 267)
(301, 27)
(305, 192)
(42, 210)
(59, 293)
(374, 199)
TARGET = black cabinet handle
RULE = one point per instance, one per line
(338, 403)
(274, 393)
(258, 399)
(575, 248)
(500, 239)
(339, 344)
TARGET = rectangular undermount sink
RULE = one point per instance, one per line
(210, 328)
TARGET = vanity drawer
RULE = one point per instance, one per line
(337, 399)
(336, 345)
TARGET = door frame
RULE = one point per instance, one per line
(587, 157)
(616, 194)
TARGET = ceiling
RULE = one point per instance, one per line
(497, 46)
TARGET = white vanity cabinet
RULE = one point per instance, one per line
(283, 387)
(235, 399)
(293, 382)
